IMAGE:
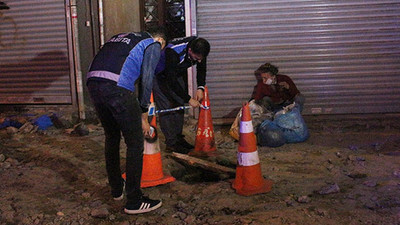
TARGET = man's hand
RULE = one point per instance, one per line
(199, 94)
(145, 124)
(194, 103)
(284, 85)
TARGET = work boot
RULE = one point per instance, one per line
(182, 142)
(177, 148)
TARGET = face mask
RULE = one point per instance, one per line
(269, 81)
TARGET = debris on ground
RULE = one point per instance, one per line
(57, 176)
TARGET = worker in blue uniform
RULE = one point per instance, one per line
(125, 60)
(171, 86)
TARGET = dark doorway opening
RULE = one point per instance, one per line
(167, 13)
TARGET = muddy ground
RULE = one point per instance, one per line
(347, 172)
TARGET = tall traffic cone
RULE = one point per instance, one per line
(248, 180)
(152, 172)
(205, 142)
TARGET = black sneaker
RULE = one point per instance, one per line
(169, 148)
(185, 144)
(119, 196)
(143, 206)
(177, 148)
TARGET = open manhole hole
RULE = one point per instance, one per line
(195, 170)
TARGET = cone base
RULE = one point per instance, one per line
(152, 183)
(205, 147)
(202, 154)
(249, 181)
(265, 187)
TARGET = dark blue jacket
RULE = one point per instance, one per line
(174, 62)
(125, 58)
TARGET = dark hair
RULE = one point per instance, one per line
(266, 68)
(200, 46)
(158, 31)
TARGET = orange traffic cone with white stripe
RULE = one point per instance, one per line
(205, 141)
(248, 180)
(152, 173)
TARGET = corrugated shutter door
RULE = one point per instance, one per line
(34, 65)
(344, 56)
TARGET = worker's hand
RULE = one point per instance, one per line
(145, 124)
(199, 94)
(194, 103)
(284, 85)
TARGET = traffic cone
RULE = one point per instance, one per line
(248, 180)
(205, 142)
(152, 172)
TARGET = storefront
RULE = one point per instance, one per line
(344, 56)
(35, 59)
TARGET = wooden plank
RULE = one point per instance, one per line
(203, 163)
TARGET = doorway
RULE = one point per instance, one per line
(167, 13)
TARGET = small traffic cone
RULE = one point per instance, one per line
(205, 142)
(152, 173)
(248, 180)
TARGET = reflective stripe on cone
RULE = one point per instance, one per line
(249, 180)
(248, 159)
(152, 172)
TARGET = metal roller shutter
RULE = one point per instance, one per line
(343, 55)
(34, 61)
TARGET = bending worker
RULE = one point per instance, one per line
(125, 59)
(171, 87)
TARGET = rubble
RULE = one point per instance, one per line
(334, 188)
(54, 177)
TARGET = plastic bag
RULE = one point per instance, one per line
(234, 131)
(269, 134)
(288, 126)
(43, 122)
(292, 125)
(258, 115)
